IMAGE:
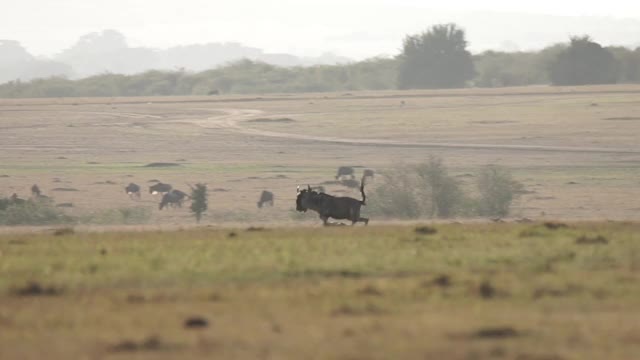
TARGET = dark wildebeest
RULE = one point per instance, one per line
(265, 198)
(328, 206)
(173, 198)
(368, 173)
(160, 188)
(35, 191)
(133, 190)
(345, 171)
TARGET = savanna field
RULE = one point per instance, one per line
(558, 278)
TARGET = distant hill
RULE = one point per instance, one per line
(108, 52)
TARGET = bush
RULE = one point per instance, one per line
(445, 192)
(428, 191)
(31, 212)
(397, 196)
(425, 190)
(497, 191)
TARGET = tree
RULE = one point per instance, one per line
(199, 200)
(437, 58)
(583, 62)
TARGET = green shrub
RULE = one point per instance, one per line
(424, 190)
(31, 212)
(428, 191)
(497, 191)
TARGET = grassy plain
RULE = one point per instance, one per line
(467, 291)
(574, 148)
(472, 290)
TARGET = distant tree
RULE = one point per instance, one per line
(199, 200)
(437, 58)
(583, 62)
(628, 63)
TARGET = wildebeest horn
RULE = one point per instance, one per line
(298, 189)
(309, 187)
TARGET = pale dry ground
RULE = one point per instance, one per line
(576, 149)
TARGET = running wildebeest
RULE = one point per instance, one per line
(35, 191)
(173, 198)
(133, 190)
(345, 171)
(159, 188)
(265, 198)
(328, 206)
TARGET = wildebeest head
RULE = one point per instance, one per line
(306, 199)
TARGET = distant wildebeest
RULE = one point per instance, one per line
(345, 171)
(173, 198)
(35, 191)
(133, 190)
(368, 173)
(214, 92)
(328, 206)
(14, 199)
(160, 188)
(265, 198)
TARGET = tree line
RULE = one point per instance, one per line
(436, 58)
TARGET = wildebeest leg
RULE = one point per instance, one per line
(325, 220)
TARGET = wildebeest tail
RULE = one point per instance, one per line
(364, 197)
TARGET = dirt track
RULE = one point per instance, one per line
(233, 118)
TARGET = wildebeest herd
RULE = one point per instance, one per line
(310, 198)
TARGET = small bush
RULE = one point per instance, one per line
(444, 190)
(31, 212)
(424, 190)
(497, 191)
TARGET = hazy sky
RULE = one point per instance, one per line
(354, 28)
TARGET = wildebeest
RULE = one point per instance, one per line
(265, 198)
(35, 191)
(345, 171)
(328, 206)
(159, 188)
(173, 198)
(14, 199)
(368, 173)
(133, 190)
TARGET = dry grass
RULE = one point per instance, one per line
(97, 146)
(467, 291)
